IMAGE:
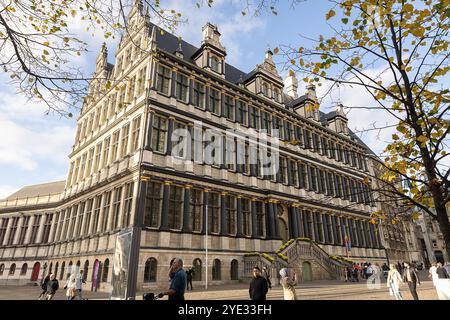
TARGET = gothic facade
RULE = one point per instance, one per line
(124, 170)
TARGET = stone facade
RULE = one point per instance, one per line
(123, 172)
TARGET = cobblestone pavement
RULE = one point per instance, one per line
(316, 290)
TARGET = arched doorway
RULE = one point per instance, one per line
(439, 256)
(95, 275)
(306, 271)
(234, 270)
(284, 231)
(85, 270)
(197, 266)
(35, 273)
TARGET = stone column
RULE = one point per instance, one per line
(291, 222)
(169, 135)
(149, 132)
(8, 231)
(83, 217)
(29, 229)
(239, 219)
(334, 229)
(326, 237)
(18, 230)
(205, 205)
(121, 209)
(91, 223)
(165, 207)
(316, 229)
(223, 214)
(41, 228)
(275, 220)
(300, 219)
(53, 228)
(77, 220)
(253, 215)
(101, 214)
(185, 227)
(109, 225)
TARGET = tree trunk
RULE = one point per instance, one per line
(444, 226)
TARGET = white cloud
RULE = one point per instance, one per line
(7, 190)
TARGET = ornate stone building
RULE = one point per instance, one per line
(124, 170)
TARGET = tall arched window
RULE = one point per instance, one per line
(69, 269)
(56, 269)
(2, 268)
(234, 270)
(24, 269)
(215, 64)
(105, 271)
(12, 269)
(63, 268)
(216, 270)
(85, 270)
(197, 266)
(150, 270)
(265, 89)
(50, 268)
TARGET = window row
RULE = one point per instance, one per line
(122, 142)
(25, 230)
(151, 270)
(110, 210)
(179, 208)
(222, 104)
(121, 96)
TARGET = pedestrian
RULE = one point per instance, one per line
(189, 276)
(369, 271)
(52, 286)
(44, 283)
(447, 267)
(71, 288)
(393, 282)
(258, 286)
(178, 281)
(442, 282)
(410, 276)
(266, 274)
(288, 284)
(79, 280)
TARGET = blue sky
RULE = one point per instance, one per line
(34, 147)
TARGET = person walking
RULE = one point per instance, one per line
(442, 282)
(189, 276)
(266, 274)
(288, 284)
(52, 286)
(410, 276)
(394, 280)
(258, 286)
(447, 267)
(71, 288)
(79, 280)
(178, 281)
(44, 283)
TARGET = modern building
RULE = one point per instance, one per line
(127, 170)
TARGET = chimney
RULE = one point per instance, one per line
(291, 85)
(311, 92)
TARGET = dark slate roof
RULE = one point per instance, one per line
(297, 101)
(171, 43)
(39, 190)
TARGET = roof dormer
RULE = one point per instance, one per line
(338, 122)
(264, 80)
(211, 55)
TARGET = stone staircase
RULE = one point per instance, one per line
(292, 254)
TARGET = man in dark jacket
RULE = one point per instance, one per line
(52, 286)
(258, 286)
(189, 276)
(44, 287)
(410, 277)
